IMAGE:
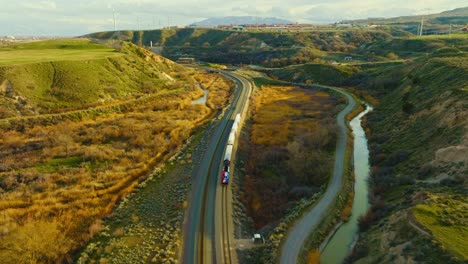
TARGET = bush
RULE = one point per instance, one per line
(397, 157)
(425, 171)
(406, 180)
(365, 221)
(407, 107)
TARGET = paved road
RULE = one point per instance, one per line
(199, 229)
(298, 234)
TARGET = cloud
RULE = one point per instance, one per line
(70, 17)
(40, 5)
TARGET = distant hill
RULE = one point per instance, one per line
(460, 13)
(463, 11)
(433, 23)
(241, 20)
(247, 47)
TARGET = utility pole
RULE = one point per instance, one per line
(422, 25)
(256, 21)
(138, 23)
(113, 15)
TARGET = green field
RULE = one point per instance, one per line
(446, 219)
(54, 50)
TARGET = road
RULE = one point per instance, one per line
(301, 229)
(208, 224)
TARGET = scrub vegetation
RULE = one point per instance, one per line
(292, 137)
(286, 157)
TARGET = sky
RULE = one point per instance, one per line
(79, 17)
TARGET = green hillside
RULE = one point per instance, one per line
(57, 75)
(422, 114)
(419, 46)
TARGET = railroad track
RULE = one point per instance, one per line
(207, 237)
(226, 235)
(205, 251)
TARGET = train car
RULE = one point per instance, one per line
(225, 177)
(237, 120)
(234, 128)
(228, 153)
(226, 164)
(232, 138)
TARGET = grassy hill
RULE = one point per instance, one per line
(54, 50)
(58, 75)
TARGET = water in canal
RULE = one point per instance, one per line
(201, 100)
(340, 244)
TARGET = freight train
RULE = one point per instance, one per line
(228, 153)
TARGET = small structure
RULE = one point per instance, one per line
(348, 58)
(186, 60)
(258, 239)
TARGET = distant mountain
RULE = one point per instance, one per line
(463, 11)
(241, 20)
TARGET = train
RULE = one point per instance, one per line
(225, 174)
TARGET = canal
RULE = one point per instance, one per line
(342, 241)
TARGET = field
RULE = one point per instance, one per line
(54, 50)
(62, 172)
